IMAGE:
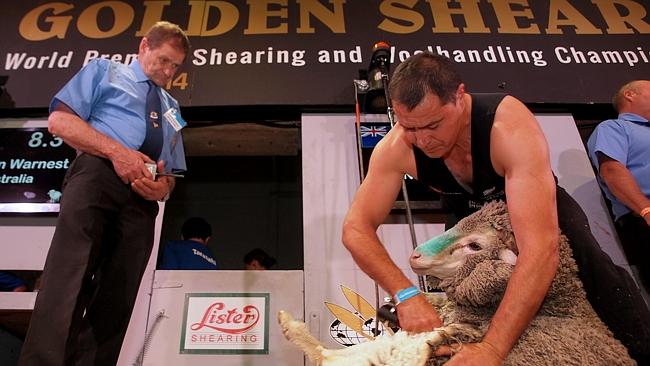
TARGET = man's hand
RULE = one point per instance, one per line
(150, 189)
(417, 315)
(129, 165)
(479, 354)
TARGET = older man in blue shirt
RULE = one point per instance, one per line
(620, 150)
(119, 119)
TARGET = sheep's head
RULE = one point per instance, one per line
(482, 240)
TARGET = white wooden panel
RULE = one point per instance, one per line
(573, 170)
(285, 289)
(330, 180)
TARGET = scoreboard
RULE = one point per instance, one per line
(33, 164)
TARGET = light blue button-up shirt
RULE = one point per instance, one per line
(111, 96)
(626, 140)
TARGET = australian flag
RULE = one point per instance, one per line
(372, 133)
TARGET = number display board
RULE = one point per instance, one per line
(33, 164)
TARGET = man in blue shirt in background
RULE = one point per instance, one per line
(192, 251)
(105, 229)
(620, 151)
(11, 283)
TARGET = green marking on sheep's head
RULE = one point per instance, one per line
(438, 243)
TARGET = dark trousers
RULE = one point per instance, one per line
(635, 238)
(610, 289)
(103, 240)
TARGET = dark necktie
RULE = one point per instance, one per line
(153, 140)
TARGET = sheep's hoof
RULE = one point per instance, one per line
(296, 332)
(284, 317)
(285, 320)
(459, 333)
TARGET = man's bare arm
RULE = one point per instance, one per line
(519, 151)
(128, 163)
(371, 205)
(622, 184)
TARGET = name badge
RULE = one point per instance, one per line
(173, 117)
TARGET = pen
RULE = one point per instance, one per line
(170, 175)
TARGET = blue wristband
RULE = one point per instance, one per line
(405, 294)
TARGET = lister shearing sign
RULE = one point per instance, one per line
(307, 52)
(225, 323)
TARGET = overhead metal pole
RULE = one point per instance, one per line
(407, 204)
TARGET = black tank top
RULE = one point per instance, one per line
(487, 185)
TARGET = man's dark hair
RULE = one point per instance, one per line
(261, 256)
(196, 227)
(163, 31)
(422, 73)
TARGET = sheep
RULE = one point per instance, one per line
(472, 263)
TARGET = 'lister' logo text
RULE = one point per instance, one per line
(230, 321)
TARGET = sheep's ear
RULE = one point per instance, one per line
(508, 256)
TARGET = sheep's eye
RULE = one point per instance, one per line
(474, 246)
